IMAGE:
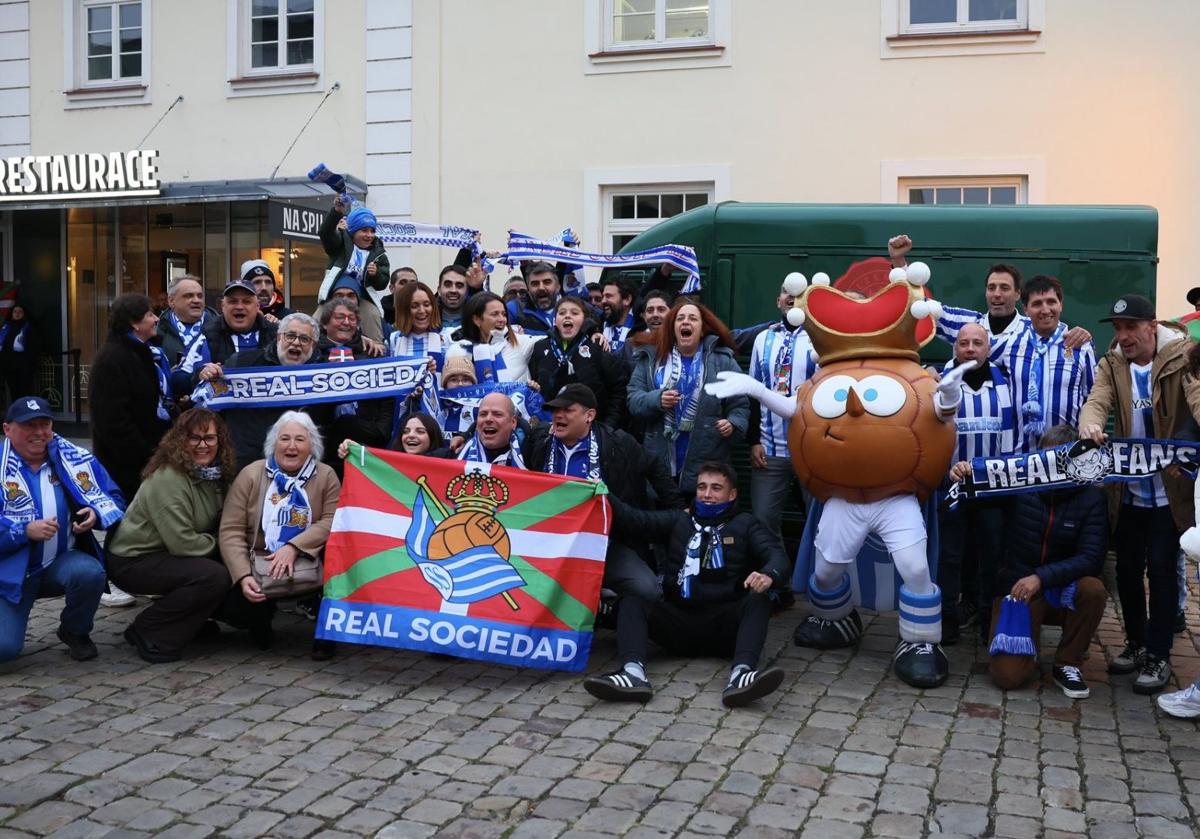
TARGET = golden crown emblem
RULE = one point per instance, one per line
(476, 491)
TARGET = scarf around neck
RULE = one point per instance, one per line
(286, 509)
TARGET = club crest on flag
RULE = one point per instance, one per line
(464, 554)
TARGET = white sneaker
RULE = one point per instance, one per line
(115, 597)
(1184, 704)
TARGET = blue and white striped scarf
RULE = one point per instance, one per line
(188, 335)
(425, 344)
(687, 378)
(522, 247)
(1034, 408)
(559, 463)
(18, 341)
(286, 509)
(474, 452)
(162, 370)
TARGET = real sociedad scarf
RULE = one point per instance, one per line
(674, 374)
(474, 452)
(75, 466)
(618, 334)
(188, 335)
(1034, 409)
(162, 372)
(779, 377)
(18, 344)
(308, 384)
(558, 461)
(340, 355)
(489, 361)
(286, 510)
(522, 247)
(705, 549)
(1071, 465)
(423, 344)
(527, 401)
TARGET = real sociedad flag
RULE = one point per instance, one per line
(469, 576)
(874, 581)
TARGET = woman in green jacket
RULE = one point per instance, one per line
(167, 543)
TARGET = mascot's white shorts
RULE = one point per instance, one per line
(845, 525)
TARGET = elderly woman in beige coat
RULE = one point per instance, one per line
(282, 505)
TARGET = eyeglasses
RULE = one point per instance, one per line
(202, 440)
(296, 338)
(350, 316)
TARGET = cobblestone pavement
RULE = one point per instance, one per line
(236, 742)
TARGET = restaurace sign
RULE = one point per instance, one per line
(95, 175)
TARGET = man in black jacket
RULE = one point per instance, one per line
(296, 344)
(1055, 555)
(720, 566)
(581, 448)
(182, 324)
(241, 327)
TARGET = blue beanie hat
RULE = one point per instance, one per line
(359, 218)
(346, 281)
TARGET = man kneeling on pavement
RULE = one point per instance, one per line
(720, 564)
(1052, 566)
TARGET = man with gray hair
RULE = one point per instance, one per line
(182, 324)
(295, 344)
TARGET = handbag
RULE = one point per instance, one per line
(308, 576)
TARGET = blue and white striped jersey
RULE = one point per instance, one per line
(1049, 383)
(986, 423)
(1148, 492)
(954, 319)
(782, 359)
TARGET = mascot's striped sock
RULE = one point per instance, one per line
(830, 605)
(921, 616)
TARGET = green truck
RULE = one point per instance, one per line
(745, 250)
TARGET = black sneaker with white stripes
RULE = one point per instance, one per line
(747, 685)
(618, 686)
(1071, 682)
(920, 665)
(822, 634)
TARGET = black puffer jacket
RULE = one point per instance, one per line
(747, 547)
(123, 402)
(587, 364)
(1060, 536)
(219, 338)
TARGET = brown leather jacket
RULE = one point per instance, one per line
(1176, 398)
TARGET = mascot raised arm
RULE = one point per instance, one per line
(871, 435)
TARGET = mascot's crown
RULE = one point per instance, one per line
(476, 491)
(883, 325)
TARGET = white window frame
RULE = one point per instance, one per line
(899, 39)
(600, 184)
(602, 55)
(244, 80)
(1017, 182)
(896, 176)
(79, 91)
(634, 226)
(962, 25)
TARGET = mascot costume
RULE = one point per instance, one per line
(871, 436)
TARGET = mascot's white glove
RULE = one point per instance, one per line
(949, 390)
(1190, 542)
(730, 384)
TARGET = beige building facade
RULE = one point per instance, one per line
(606, 115)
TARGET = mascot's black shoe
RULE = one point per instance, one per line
(821, 634)
(920, 665)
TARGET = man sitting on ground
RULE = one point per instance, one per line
(720, 563)
(1055, 555)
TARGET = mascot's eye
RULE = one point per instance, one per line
(829, 398)
(881, 395)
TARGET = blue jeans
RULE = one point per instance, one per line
(76, 574)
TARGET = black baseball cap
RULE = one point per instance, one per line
(573, 394)
(235, 285)
(28, 407)
(1131, 307)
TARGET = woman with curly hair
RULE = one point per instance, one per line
(167, 543)
(684, 425)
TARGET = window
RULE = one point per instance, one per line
(113, 41)
(964, 15)
(281, 34)
(629, 210)
(274, 46)
(944, 191)
(647, 23)
(110, 61)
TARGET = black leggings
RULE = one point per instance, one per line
(737, 628)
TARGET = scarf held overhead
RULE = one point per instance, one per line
(522, 247)
(1076, 464)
